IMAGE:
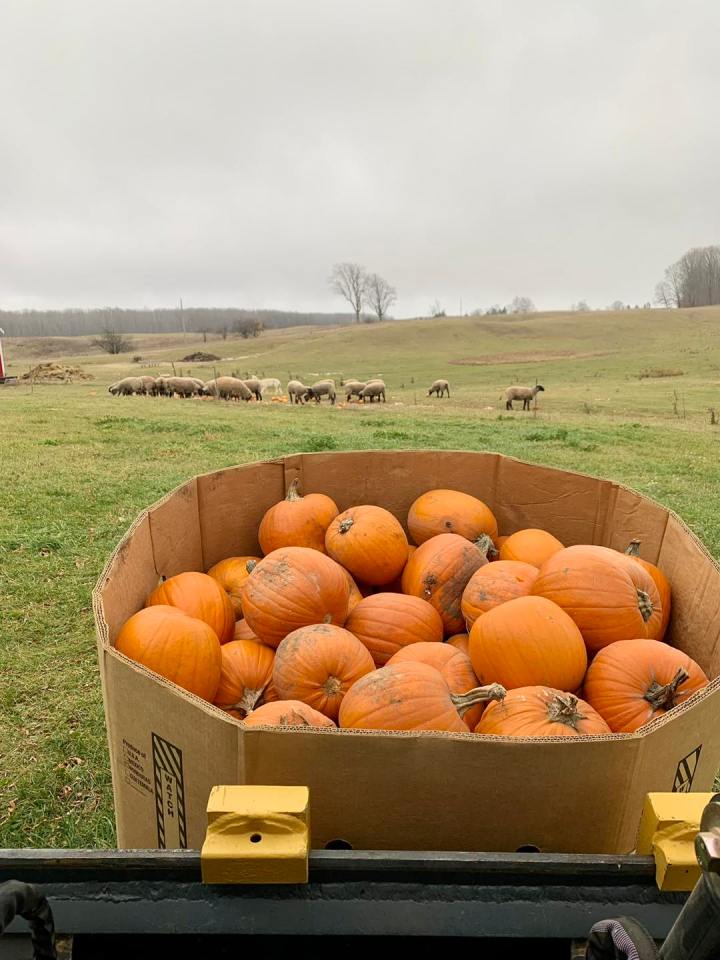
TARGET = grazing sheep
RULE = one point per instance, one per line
(439, 387)
(148, 384)
(353, 388)
(182, 386)
(526, 394)
(126, 387)
(323, 388)
(254, 386)
(227, 388)
(271, 383)
(298, 392)
(373, 390)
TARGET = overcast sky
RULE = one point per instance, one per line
(229, 151)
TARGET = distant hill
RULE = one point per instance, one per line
(79, 323)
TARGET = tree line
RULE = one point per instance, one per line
(692, 281)
(220, 321)
(362, 289)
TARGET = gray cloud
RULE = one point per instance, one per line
(229, 151)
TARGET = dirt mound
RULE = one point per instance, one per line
(56, 373)
(199, 357)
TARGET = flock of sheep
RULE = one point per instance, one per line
(232, 388)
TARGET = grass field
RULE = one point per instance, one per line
(627, 396)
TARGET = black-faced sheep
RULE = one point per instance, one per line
(439, 388)
(255, 387)
(227, 388)
(323, 388)
(526, 394)
(182, 386)
(298, 392)
(353, 388)
(126, 387)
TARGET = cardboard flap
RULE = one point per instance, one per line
(126, 582)
(175, 530)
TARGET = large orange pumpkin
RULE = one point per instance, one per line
(632, 682)
(661, 582)
(287, 713)
(439, 571)
(294, 587)
(528, 642)
(395, 586)
(450, 511)
(297, 521)
(246, 674)
(453, 664)
(355, 594)
(318, 665)
(609, 596)
(493, 584)
(386, 622)
(530, 546)
(231, 574)
(182, 649)
(200, 596)
(409, 696)
(541, 712)
(243, 632)
(369, 542)
(461, 641)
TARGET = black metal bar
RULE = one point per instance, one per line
(65, 866)
(696, 934)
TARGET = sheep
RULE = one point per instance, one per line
(182, 386)
(126, 387)
(227, 388)
(323, 388)
(439, 387)
(254, 386)
(148, 384)
(271, 383)
(353, 388)
(374, 390)
(298, 392)
(526, 394)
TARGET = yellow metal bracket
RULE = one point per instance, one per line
(668, 828)
(257, 835)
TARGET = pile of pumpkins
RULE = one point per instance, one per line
(345, 623)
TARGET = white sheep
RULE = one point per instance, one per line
(526, 394)
(439, 387)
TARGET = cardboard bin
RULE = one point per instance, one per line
(401, 791)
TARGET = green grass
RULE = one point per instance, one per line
(78, 465)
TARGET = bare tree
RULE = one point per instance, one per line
(248, 327)
(582, 306)
(436, 310)
(522, 305)
(113, 342)
(617, 305)
(693, 281)
(380, 295)
(204, 331)
(349, 280)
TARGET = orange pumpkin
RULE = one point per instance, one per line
(661, 582)
(450, 511)
(528, 642)
(530, 546)
(395, 586)
(243, 632)
(294, 587)
(318, 665)
(609, 596)
(297, 521)
(541, 712)
(453, 664)
(247, 669)
(632, 682)
(199, 596)
(386, 622)
(493, 584)
(369, 542)
(182, 649)
(439, 571)
(287, 713)
(460, 641)
(231, 574)
(409, 696)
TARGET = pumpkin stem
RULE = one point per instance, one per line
(633, 549)
(645, 605)
(486, 546)
(463, 701)
(662, 697)
(292, 491)
(247, 703)
(345, 524)
(332, 686)
(562, 708)
(250, 565)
